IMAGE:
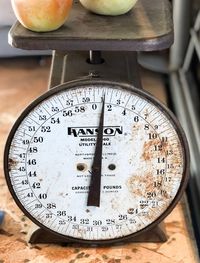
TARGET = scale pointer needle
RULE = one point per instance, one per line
(95, 183)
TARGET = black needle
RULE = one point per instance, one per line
(95, 183)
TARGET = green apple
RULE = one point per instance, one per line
(108, 7)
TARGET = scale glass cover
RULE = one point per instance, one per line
(96, 161)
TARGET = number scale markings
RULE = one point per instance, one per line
(133, 195)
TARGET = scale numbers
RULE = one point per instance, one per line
(51, 148)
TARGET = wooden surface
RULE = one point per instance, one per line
(21, 81)
(148, 26)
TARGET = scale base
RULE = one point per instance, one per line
(38, 235)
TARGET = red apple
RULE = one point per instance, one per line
(42, 15)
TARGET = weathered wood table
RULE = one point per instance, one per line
(77, 46)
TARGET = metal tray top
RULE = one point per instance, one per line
(147, 27)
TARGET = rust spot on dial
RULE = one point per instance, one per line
(12, 164)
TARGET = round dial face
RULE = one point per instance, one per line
(50, 158)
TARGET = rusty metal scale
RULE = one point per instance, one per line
(96, 159)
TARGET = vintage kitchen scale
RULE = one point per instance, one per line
(96, 159)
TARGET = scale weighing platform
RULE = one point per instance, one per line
(96, 160)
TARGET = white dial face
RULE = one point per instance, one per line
(51, 154)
